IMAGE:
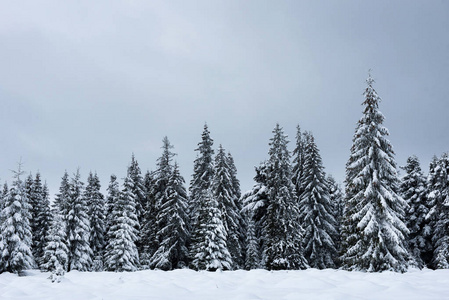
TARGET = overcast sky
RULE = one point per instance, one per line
(87, 83)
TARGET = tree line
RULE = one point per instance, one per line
(295, 216)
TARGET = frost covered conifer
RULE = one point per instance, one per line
(149, 229)
(337, 202)
(113, 191)
(209, 250)
(78, 227)
(96, 203)
(203, 172)
(40, 214)
(62, 198)
(375, 236)
(121, 251)
(439, 212)
(56, 252)
(16, 233)
(252, 255)
(172, 251)
(413, 190)
(138, 194)
(298, 161)
(281, 230)
(315, 212)
(224, 192)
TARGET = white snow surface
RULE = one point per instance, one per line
(255, 284)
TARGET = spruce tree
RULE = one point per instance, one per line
(337, 201)
(298, 161)
(252, 255)
(96, 203)
(15, 228)
(78, 227)
(209, 250)
(439, 213)
(315, 212)
(113, 191)
(223, 190)
(172, 251)
(138, 193)
(149, 229)
(62, 198)
(282, 232)
(414, 191)
(121, 251)
(56, 252)
(41, 216)
(203, 173)
(375, 236)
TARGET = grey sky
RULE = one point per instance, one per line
(87, 83)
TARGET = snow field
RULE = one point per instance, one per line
(256, 284)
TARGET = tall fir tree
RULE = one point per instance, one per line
(56, 252)
(298, 161)
(172, 251)
(113, 191)
(338, 207)
(439, 212)
(224, 192)
(95, 201)
(15, 228)
(78, 227)
(252, 255)
(62, 198)
(138, 193)
(209, 250)
(203, 172)
(414, 191)
(149, 230)
(121, 251)
(41, 216)
(316, 211)
(281, 231)
(375, 236)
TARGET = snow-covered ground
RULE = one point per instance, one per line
(256, 284)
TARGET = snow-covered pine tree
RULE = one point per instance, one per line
(223, 190)
(203, 172)
(56, 252)
(162, 177)
(209, 250)
(172, 251)
(41, 215)
(315, 211)
(239, 260)
(113, 191)
(78, 227)
(62, 198)
(121, 251)
(439, 212)
(337, 200)
(138, 191)
(148, 231)
(375, 236)
(16, 231)
(252, 255)
(201, 182)
(298, 161)
(96, 203)
(414, 191)
(281, 230)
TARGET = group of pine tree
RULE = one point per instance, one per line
(294, 217)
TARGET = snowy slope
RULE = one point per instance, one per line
(256, 284)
